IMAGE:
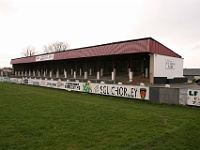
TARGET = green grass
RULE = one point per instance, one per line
(41, 118)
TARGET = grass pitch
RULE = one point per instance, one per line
(47, 119)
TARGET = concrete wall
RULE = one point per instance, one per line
(166, 66)
(154, 94)
(151, 69)
(183, 96)
(168, 95)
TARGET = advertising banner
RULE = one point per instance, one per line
(193, 97)
(45, 57)
(51, 83)
(74, 86)
(6, 79)
(36, 82)
(60, 84)
(43, 83)
(25, 80)
(19, 81)
(30, 81)
(13, 80)
(128, 91)
(137, 92)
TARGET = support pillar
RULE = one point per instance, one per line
(71, 72)
(44, 73)
(142, 67)
(38, 73)
(25, 73)
(151, 73)
(101, 72)
(146, 72)
(80, 72)
(34, 73)
(98, 75)
(85, 75)
(113, 76)
(90, 72)
(130, 63)
(57, 74)
(129, 70)
(65, 73)
(29, 74)
(130, 76)
(41, 72)
(114, 70)
(50, 74)
(74, 74)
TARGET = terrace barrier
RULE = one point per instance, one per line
(168, 95)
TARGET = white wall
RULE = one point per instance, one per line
(167, 66)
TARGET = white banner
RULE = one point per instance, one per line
(51, 83)
(45, 57)
(60, 84)
(30, 81)
(193, 97)
(13, 80)
(36, 82)
(74, 86)
(19, 81)
(43, 83)
(128, 91)
(138, 92)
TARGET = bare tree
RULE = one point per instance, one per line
(29, 51)
(56, 47)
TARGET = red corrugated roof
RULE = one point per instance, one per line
(157, 48)
(148, 45)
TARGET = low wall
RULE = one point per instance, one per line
(168, 95)
(164, 80)
(154, 94)
(183, 96)
(127, 91)
(164, 95)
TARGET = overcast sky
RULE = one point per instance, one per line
(174, 23)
